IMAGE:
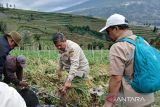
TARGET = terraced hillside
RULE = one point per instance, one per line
(149, 33)
(45, 24)
(40, 73)
(37, 28)
(146, 32)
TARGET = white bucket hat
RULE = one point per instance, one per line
(115, 19)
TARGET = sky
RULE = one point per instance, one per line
(42, 5)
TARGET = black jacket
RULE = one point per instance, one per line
(4, 51)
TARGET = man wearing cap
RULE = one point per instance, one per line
(13, 70)
(121, 57)
(7, 42)
(72, 59)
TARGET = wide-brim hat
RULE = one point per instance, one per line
(15, 36)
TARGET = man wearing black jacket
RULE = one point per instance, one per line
(7, 42)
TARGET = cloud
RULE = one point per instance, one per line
(41, 5)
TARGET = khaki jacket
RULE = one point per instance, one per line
(121, 57)
(74, 60)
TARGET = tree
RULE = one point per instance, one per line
(94, 45)
(7, 5)
(155, 29)
(14, 6)
(26, 40)
(37, 39)
(89, 46)
(81, 45)
(100, 45)
(87, 28)
(3, 27)
(31, 17)
(1, 7)
(10, 5)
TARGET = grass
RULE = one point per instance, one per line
(41, 72)
(40, 58)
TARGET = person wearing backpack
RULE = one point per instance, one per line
(121, 58)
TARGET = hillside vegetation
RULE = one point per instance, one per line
(37, 28)
(41, 26)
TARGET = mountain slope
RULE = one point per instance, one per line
(137, 11)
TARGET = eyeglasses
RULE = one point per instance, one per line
(107, 30)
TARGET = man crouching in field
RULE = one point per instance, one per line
(121, 58)
(72, 59)
(13, 70)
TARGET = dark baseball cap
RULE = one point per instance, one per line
(22, 60)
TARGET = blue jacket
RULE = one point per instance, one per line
(4, 51)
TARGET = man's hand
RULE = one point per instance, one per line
(107, 104)
(114, 86)
(23, 84)
(66, 86)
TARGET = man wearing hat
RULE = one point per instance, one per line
(7, 42)
(13, 70)
(121, 56)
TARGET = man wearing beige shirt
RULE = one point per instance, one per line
(72, 59)
(121, 57)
